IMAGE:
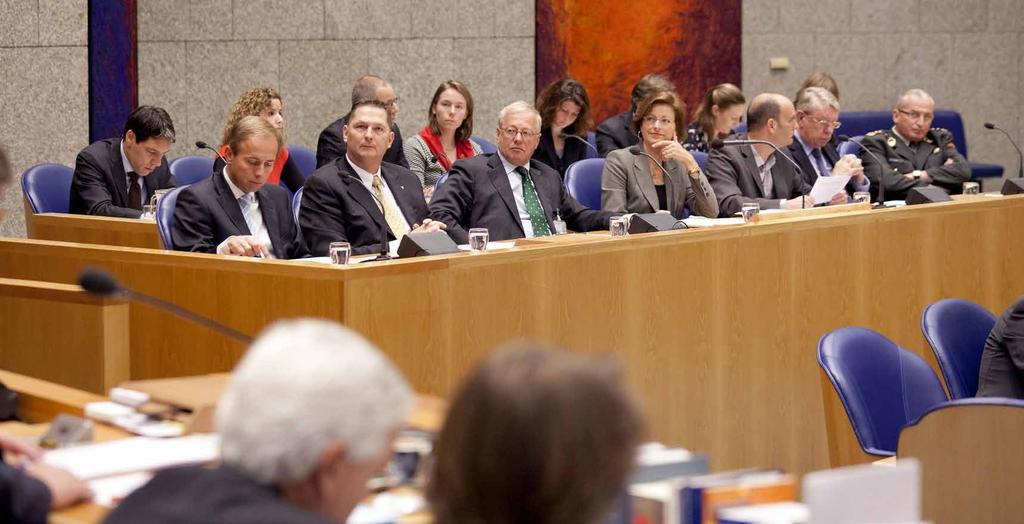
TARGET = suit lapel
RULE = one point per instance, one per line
(780, 182)
(924, 150)
(831, 154)
(117, 171)
(645, 180)
(358, 192)
(269, 213)
(499, 179)
(547, 189)
(405, 196)
(229, 203)
(750, 167)
(675, 188)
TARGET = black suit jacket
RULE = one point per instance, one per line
(98, 186)
(732, 171)
(899, 158)
(22, 498)
(616, 133)
(1002, 361)
(336, 206)
(331, 145)
(477, 194)
(221, 494)
(207, 212)
(545, 152)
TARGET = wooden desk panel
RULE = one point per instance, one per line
(717, 328)
(88, 229)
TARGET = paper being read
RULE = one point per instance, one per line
(826, 187)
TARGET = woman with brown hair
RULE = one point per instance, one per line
(719, 113)
(669, 179)
(263, 102)
(565, 113)
(445, 138)
(535, 436)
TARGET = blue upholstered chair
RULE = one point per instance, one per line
(956, 330)
(296, 202)
(583, 181)
(440, 180)
(486, 146)
(592, 140)
(851, 146)
(48, 187)
(191, 169)
(882, 386)
(702, 160)
(165, 216)
(305, 160)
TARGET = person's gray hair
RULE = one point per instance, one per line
(303, 385)
(914, 94)
(518, 106)
(812, 98)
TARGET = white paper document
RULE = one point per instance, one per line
(130, 455)
(700, 221)
(826, 187)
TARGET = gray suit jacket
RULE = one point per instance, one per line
(732, 171)
(627, 187)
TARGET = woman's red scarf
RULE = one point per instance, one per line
(463, 148)
(275, 174)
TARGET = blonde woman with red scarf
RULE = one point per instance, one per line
(264, 102)
(445, 138)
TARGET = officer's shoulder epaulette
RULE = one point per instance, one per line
(875, 132)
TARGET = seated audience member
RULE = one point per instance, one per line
(235, 211)
(445, 138)
(565, 110)
(30, 490)
(352, 199)
(116, 176)
(636, 184)
(535, 436)
(755, 173)
(617, 131)
(913, 153)
(817, 116)
(309, 416)
(507, 193)
(819, 79)
(719, 113)
(331, 145)
(1002, 362)
(264, 102)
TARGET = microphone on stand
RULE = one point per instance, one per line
(1011, 186)
(718, 144)
(101, 283)
(581, 139)
(881, 176)
(203, 145)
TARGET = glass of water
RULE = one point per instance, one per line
(148, 212)
(861, 196)
(478, 237)
(750, 211)
(972, 188)
(340, 252)
(618, 226)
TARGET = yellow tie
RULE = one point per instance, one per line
(392, 214)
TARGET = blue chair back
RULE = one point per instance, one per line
(592, 150)
(863, 122)
(486, 146)
(296, 202)
(851, 146)
(440, 180)
(305, 159)
(48, 187)
(956, 330)
(188, 170)
(702, 160)
(882, 386)
(583, 181)
(165, 216)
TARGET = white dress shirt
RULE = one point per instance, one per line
(516, 181)
(257, 228)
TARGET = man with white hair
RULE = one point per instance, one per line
(817, 117)
(309, 416)
(506, 192)
(913, 153)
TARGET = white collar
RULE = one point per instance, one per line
(128, 167)
(364, 175)
(509, 166)
(234, 189)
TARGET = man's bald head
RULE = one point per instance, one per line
(771, 117)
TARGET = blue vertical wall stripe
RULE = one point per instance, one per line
(113, 74)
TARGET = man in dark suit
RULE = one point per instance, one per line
(235, 212)
(617, 131)
(817, 117)
(755, 173)
(1002, 361)
(115, 177)
(506, 192)
(360, 195)
(308, 418)
(913, 153)
(331, 144)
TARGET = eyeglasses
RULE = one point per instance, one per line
(914, 115)
(824, 123)
(391, 102)
(650, 120)
(511, 132)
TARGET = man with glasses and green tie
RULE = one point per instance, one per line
(817, 117)
(913, 153)
(507, 193)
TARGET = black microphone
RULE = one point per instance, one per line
(433, 159)
(581, 139)
(639, 150)
(718, 144)
(384, 253)
(881, 176)
(101, 283)
(1020, 156)
(203, 145)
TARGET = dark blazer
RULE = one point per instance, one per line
(98, 186)
(197, 494)
(331, 145)
(477, 194)
(22, 498)
(733, 174)
(336, 206)
(1002, 361)
(616, 133)
(545, 152)
(898, 159)
(207, 212)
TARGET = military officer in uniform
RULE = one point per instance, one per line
(913, 153)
